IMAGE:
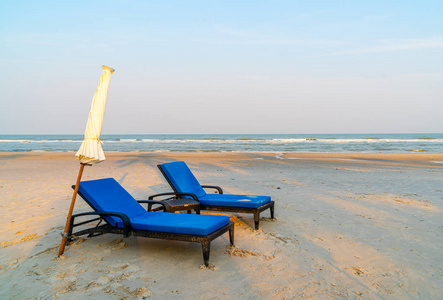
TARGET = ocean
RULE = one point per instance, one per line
(372, 143)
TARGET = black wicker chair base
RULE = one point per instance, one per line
(205, 240)
(255, 211)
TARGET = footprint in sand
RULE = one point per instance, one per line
(234, 251)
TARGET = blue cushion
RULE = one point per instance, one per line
(182, 178)
(234, 200)
(178, 223)
(108, 195)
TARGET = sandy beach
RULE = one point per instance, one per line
(348, 225)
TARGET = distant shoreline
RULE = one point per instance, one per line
(436, 159)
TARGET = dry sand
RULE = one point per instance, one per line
(357, 226)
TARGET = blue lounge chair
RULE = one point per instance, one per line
(124, 215)
(184, 184)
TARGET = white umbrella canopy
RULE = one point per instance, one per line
(91, 151)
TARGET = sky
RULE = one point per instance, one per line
(231, 66)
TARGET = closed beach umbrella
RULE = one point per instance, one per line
(91, 151)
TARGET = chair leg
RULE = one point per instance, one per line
(231, 236)
(71, 227)
(272, 211)
(257, 219)
(197, 211)
(206, 247)
(189, 211)
(149, 207)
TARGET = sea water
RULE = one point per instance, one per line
(428, 143)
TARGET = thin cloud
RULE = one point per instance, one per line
(271, 41)
(394, 45)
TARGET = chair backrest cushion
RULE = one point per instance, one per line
(108, 195)
(181, 178)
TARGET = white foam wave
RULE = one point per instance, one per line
(281, 141)
(40, 141)
(241, 141)
(362, 141)
(127, 140)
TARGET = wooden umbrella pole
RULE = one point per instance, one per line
(68, 221)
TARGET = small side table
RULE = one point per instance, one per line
(176, 203)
